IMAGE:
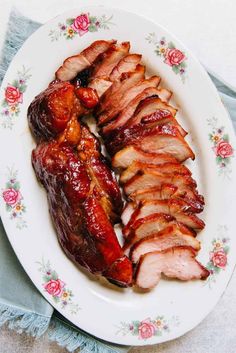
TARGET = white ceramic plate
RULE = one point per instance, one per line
(120, 316)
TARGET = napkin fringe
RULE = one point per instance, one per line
(23, 321)
(71, 340)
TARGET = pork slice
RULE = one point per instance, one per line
(177, 262)
(170, 236)
(153, 224)
(128, 155)
(163, 192)
(167, 191)
(166, 168)
(119, 87)
(153, 110)
(101, 85)
(153, 178)
(126, 64)
(145, 226)
(179, 209)
(127, 212)
(122, 98)
(159, 139)
(141, 210)
(130, 109)
(150, 105)
(76, 63)
(109, 60)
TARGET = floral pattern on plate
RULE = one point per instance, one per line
(147, 328)
(171, 55)
(218, 256)
(13, 97)
(13, 199)
(222, 148)
(56, 288)
(80, 25)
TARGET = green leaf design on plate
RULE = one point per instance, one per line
(175, 68)
(70, 21)
(92, 28)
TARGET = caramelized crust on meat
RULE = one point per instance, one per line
(171, 236)
(76, 205)
(165, 168)
(128, 113)
(109, 60)
(158, 139)
(77, 63)
(130, 154)
(52, 109)
(123, 97)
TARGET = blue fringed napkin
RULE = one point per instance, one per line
(21, 305)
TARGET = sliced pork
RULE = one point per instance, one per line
(109, 60)
(177, 208)
(171, 236)
(126, 64)
(177, 262)
(119, 87)
(77, 63)
(128, 155)
(165, 168)
(126, 114)
(159, 139)
(122, 98)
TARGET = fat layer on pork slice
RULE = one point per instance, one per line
(165, 192)
(126, 64)
(172, 235)
(109, 60)
(165, 168)
(140, 224)
(130, 109)
(158, 139)
(149, 106)
(128, 155)
(177, 262)
(120, 100)
(76, 63)
(154, 110)
(151, 177)
(177, 208)
(144, 227)
(120, 86)
(101, 85)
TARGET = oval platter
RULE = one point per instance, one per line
(120, 316)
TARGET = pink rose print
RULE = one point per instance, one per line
(11, 196)
(81, 24)
(146, 329)
(13, 95)
(223, 149)
(174, 56)
(54, 287)
(219, 258)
